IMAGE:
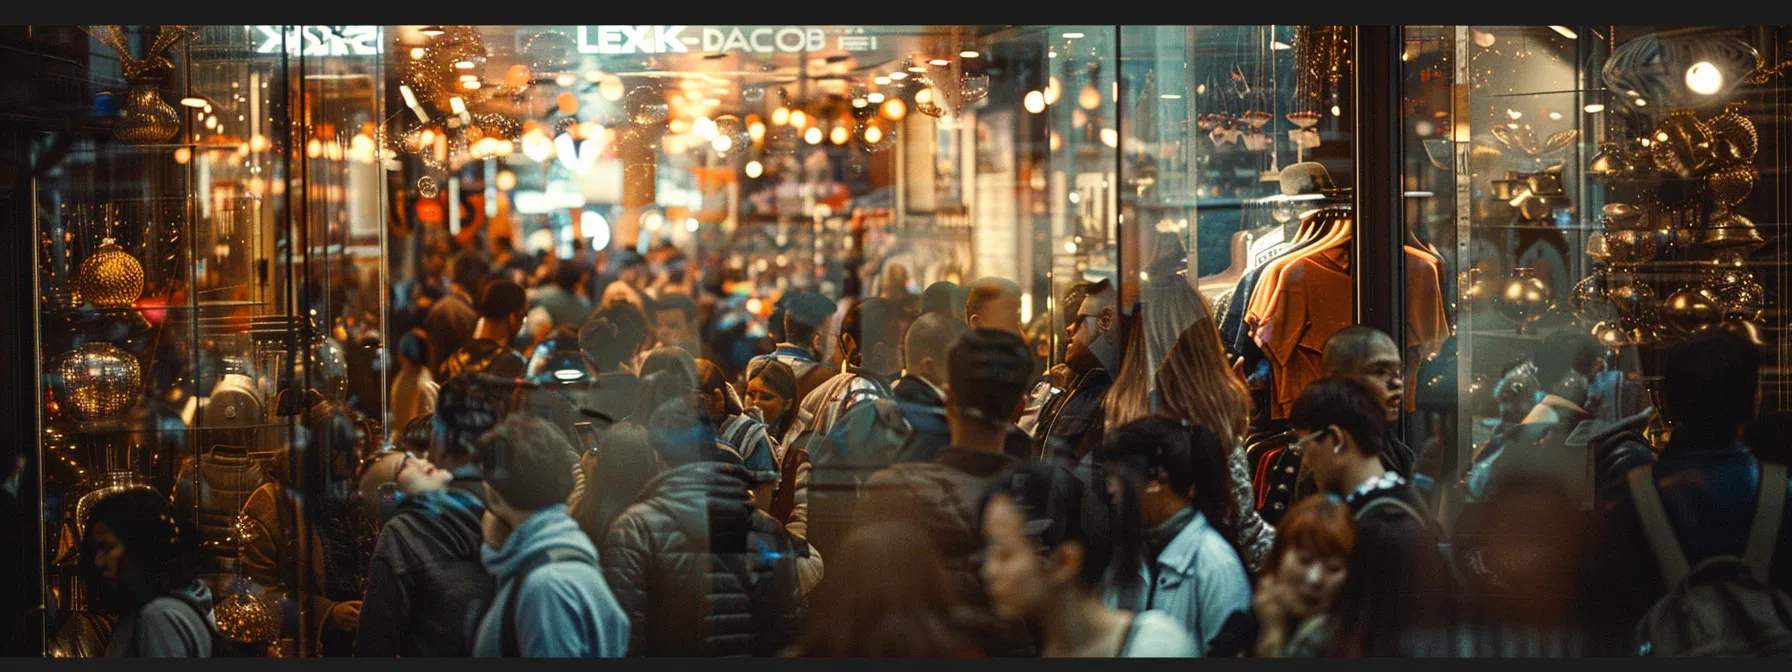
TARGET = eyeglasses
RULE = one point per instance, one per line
(1299, 445)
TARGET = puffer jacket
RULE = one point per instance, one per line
(699, 571)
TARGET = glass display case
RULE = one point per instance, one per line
(208, 246)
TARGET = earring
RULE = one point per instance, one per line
(1338, 449)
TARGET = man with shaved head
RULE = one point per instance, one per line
(994, 303)
(921, 390)
(1370, 357)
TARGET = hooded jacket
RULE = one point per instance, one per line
(177, 625)
(425, 579)
(564, 610)
(699, 571)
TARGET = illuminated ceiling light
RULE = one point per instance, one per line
(917, 69)
(1070, 246)
(1704, 78)
(798, 119)
(924, 96)
(1034, 102)
(1090, 98)
(1171, 96)
(1565, 32)
(471, 84)
(898, 75)
(431, 31)
(417, 53)
(894, 109)
(1640, 102)
(1279, 45)
(1337, 111)
(968, 53)
(722, 143)
(881, 80)
(1595, 108)
(1057, 141)
(1053, 54)
(839, 135)
(860, 103)
(874, 98)
(565, 79)
(1514, 114)
(506, 180)
(690, 225)
(756, 131)
(1110, 137)
(812, 136)
(780, 116)
(211, 122)
(711, 102)
(1555, 116)
(463, 65)
(939, 62)
(183, 155)
(873, 134)
(194, 102)
(1073, 36)
(755, 169)
(704, 127)
(1484, 39)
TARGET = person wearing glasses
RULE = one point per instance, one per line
(1398, 584)
(1071, 424)
(389, 477)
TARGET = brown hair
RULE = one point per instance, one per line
(1316, 525)
(895, 599)
(1195, 384)
(1129, 398)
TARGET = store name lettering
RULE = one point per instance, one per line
(320, 40)
(683, 39)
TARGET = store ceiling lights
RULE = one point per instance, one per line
(839, 135)
(894, 109)
(969, 54)
(431, 31)
(1034, 102)
(463, 65)
(1595, 108)
(881, 80)
(812, 136)
(917, 69)
(874, 98)
(755, 169)
(939, 62)
(1564, 31)
(195, 102)
(898, 75)
(1073, 36)
(1279, 45)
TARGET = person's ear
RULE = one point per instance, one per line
(1065, 563)
(847, 344)
(1106, 319)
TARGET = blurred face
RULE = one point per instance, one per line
(1013, 573)
(1317, 449)
(406, 474)
(771, 405)
(108, 552)
(1382, 373)
(1093, 319)
(1312, 579)
(671, 327)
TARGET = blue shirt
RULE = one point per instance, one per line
(1199, 581)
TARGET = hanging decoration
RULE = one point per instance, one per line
(448, 66)
(1523, 299)
(1322, 64)
(99, 381)
(144, 117)
(110, 277)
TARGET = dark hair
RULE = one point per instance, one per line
(805, 316)
(989, 290)
(931, 336)
(897, 601)
(711, 380)
(774, 323)
(943, 297)
(1058, 509)
(1346, 350)
(469, 270)
(622, 466)
(1378, 606)
(414, 438)
(412, 347)
(528, 461)
(613, 335)
(1563, 352)
(1344, 402)
(467, 406)
(1710, 381)
(502, 299)
(989, 371)
(667, 374)
(160, 551)
(870, 322)
(677, 302)
(1190, 458)
(678, 434)
(568, 275)
(781, 379)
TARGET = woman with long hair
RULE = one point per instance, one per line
(1302, 576)
(1130, 396)
(139, 563)
(737, 430)
(609, 478)
(895, 600)
(1196, 385)
(771, 392)
(1051, 544)
(1172, 477)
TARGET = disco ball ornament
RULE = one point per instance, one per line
(145, 117)
(1589, 301)
(646, 106)
(1737, 289)
(101, 381)
(1524, 299)
(551, 51)
(245, 617)
(110, 277)
(427, 187)
(1689, 310)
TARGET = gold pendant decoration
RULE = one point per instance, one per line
(110, 278)
(245, 617)
(1524, 299)
(145, 117)
(100, 380)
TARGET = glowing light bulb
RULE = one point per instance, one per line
(1110, 137)
(939, 62)
(1090, 98)
(874, 98)
(1704, 78)
(507, 180)
(417, 53)
(722, 143)
(873, 134)
(798, 119)
(756, 131)
(812, 136)
(1595, 108)
(690, 225)
(610, 88)
(755, 169)
(894, 109)
(1035, 101)
(780, 116)
(705, 128)
(839, 135)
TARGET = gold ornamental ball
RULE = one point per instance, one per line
(1523, 299)
(1689, 310)
(100, 381)
(110, 278)
(246, 619)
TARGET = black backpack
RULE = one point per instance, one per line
(511, 648)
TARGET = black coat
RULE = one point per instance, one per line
(699, 571)
(426, 579)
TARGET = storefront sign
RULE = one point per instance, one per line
(742, 39)
(319, 40)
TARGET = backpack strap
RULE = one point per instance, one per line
(1395, 502)
(1656, 526)
(511, 648)
(1770, 507)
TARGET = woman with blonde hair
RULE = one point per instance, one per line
(1195, 384)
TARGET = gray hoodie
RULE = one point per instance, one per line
(169, 626)
(566, 610)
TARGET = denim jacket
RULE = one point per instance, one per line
(1197, 579)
